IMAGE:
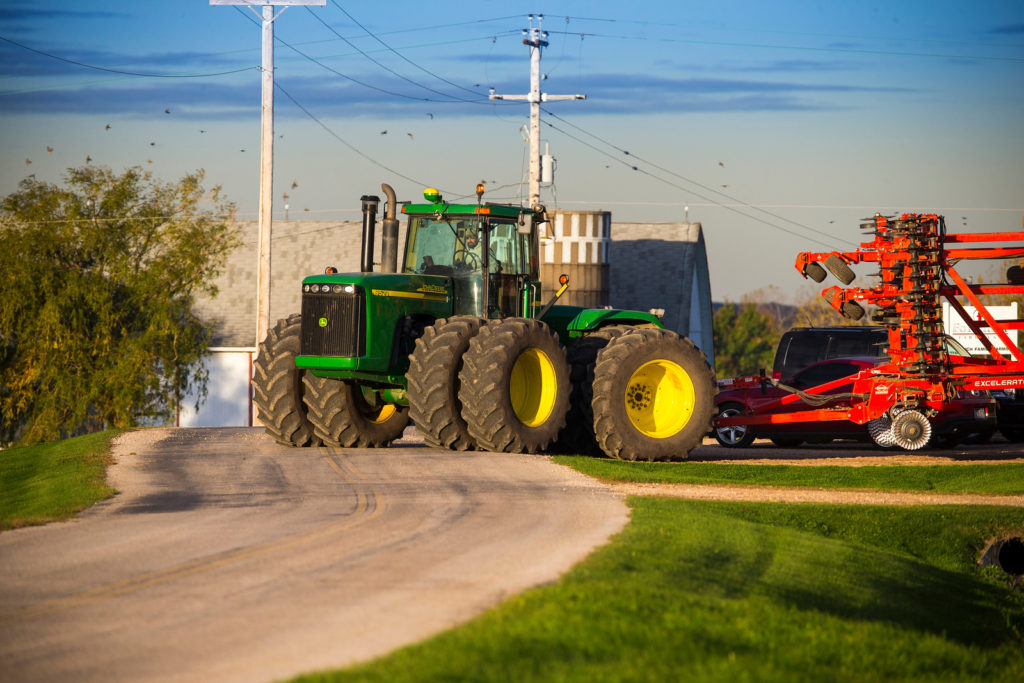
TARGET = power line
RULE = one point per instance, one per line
(337, 137)
(691, 181)
(688, 190)
(120, 71)
(383, 66)
(399, 54)
(385, 91)
(846, 50)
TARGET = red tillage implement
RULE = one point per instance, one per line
(895, 399)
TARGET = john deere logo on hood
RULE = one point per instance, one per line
(322, 322)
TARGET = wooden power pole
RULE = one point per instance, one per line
(267, 18)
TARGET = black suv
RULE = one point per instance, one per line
(803, 346)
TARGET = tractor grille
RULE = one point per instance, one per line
(344, 333)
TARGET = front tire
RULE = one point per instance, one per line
(653, 396)
(434, 382)
(343, 416)
(514, 386)
(277, 386)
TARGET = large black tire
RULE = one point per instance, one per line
(434, 382)
(654, 396)
(342, 416)
(578, 435)
(514, 386)
(840, 269)
(277, 386)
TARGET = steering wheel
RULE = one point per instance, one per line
(467, 258)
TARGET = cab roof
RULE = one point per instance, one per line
(499, 210)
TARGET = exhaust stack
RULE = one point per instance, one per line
(370, 203)
(389, 233)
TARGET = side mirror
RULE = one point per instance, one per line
(525, 223)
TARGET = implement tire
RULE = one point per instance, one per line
(654, 396)
(578, 435)
(277, 386)
(514, 386)
(342, 416)
(434, 382)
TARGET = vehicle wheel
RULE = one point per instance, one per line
(578, 435)
(654, 396)
(514, 386)
(348, 416)
(840, 269)
(786, 442)
(737, 436)
(814, 271)
(434, 382)
(277, 386)
(1013, 434)
(911, 430)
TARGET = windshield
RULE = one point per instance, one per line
(439, 246)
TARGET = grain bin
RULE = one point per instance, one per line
(577, 245)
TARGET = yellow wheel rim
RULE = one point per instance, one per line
(372, 409)
(532, 387)
(659, 399)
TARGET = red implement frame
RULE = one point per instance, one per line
(916, 258)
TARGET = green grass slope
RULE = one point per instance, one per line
(709, 591)
(52, 481)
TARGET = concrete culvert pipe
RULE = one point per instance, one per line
(1005, 553)
(1011, 556)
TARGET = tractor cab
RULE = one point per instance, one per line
(487, 252)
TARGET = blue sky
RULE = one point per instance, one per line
(779, 125)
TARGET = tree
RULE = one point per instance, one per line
(745, 340)
(97, 283)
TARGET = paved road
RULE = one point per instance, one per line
(228, 557)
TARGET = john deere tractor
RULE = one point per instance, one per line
(459, 342)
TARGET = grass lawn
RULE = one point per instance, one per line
(52, 481)
(696, 590)
(996, 479)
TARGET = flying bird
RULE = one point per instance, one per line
(294, 184)
(28, 162)
(383, 132)
(721, 164)
(108, 127)
(410, 136)
(49, 150)
(202, 131)
(88, 158)
(152, 144)
(149, 161)
(167, 111)
(430, 115)
(241, 150)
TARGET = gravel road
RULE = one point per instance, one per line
(228, 557)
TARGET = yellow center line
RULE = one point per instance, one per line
(362, 513)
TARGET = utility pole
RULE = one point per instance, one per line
(536, 39)
(267, 18)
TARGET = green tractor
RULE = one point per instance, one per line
(460, 343)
